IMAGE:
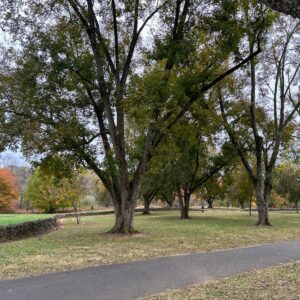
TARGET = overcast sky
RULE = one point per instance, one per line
(12, 158)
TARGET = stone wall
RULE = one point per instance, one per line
(84, 214)
(33, 228)
(106, 212)
(27, 229)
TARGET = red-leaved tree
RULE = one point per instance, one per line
(8, 189)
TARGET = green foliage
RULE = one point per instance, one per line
(85, 86)
(212, 190)
(49, 193)
(42, 193)
(188, 157)
(287, 181)
(239, 188)
(53, 108)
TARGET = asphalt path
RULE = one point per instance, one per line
(142, 278)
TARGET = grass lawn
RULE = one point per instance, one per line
(20, 218)
(273, 283)
(162, 233)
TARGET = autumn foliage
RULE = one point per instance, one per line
(8, 189)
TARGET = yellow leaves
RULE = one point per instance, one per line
(46, 193)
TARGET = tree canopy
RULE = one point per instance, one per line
(115, 85)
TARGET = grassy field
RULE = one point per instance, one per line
(162, 233)
(274, 283)
(20, 218)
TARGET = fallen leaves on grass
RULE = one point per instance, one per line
(278, 283)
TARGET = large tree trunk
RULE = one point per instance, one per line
(184, 214)
(186, 208)
(184, 204)
(124, 208)
(123, 218)
(262, 205)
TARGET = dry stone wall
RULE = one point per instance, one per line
(27, 229)
(33, 228)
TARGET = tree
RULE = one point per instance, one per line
(240, 189)
(47, 192)
(193, 162)
(71, 191)
(22, 175)
(8, 189)
(287, 182)
(78, 60)
(295, 191)
(148, 198)
(272, 79)
(42, 193)
(212, 189)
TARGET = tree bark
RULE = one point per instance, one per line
(262, 205)
(124, 202)
(289, 7)
(210, 203)
(297, 209)
(184, 204)
(184, 213)
(146, 210)
(186, 207)
(250, 204)
(123, 218)
(148, 198)
(76, 207)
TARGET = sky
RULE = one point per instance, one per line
(12, 158)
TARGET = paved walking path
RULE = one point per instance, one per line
(142, 278)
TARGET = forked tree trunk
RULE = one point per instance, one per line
(262, 206)
(124, 207)
(148, 198)
(123, 218)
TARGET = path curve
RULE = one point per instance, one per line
(142, 278)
